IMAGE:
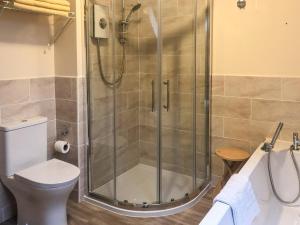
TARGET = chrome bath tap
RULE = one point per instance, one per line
(296, 141)
(269, 146)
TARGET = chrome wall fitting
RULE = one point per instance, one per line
(296, 141)
(267, 147)
(241, 4)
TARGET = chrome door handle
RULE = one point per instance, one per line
(152, 96)
(167, 106)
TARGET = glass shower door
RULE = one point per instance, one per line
(101, 109)
(181, 121)
(202, 93)
(136, 107)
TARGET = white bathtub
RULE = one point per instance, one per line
(272, 211)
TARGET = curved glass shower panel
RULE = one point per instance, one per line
(136, 107)
(178, 93)
(101, 60)
(202, 93)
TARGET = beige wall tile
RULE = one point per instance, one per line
(98, 88)
(148, 134)
(127, 158)
(14, 91)
(127, 119)
(177, 120)
(176, 160)
(172, 138)
(148, 152)
(177, 64)
(147, 117)
(252, 131)
(24, 111)
(177, 26)
(177, 45)
(131, 83)
(186, 7)
(201, 144)
(103, 107)
(217, 85)
(133, 99)
(51, 130)
(255, 87)
(71, 137)
(42, 88)
(217, 126)
(268, 110)
(66, 110)
(148, 46)
(132, 64)
(186, 84)
(169, 8)
(148, 64)
(101, 128)
(290, 89)
(146, 99)
(63, 88)
(134, 134)
(231, 107)
(217, 166)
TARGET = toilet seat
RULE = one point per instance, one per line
(53, 173)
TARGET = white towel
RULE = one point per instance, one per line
(239, 195)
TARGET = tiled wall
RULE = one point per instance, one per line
(246, 109)
(70, 115)
(20, 99)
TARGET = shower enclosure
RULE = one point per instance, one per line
(149, 92)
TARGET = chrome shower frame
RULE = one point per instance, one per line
(163, 209)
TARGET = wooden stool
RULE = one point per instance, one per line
(233, 155)
(234, 159)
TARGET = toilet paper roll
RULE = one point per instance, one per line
(62, 147)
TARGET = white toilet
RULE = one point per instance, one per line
(41, 187)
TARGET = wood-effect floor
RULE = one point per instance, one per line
(86, 214)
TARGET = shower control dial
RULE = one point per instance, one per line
(103, 23)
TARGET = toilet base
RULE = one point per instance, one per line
(41, 206)
(44, 207)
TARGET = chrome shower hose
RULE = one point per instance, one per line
(272, 181)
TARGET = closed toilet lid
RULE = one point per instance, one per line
(49, 174)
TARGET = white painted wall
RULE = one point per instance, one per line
(23, 46)
(70, 47)
(263, 39)
(24, 50)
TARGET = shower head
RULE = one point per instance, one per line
(133, 9)
(136, 7)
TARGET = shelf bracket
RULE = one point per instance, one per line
(56, 36)
(9, 5)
